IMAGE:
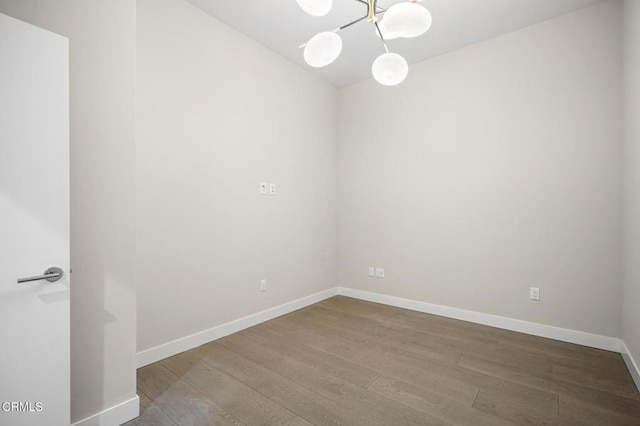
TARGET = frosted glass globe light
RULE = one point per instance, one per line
(322, 49)
(315, 7)
(407, 19)
(388, 35)
(390, 69)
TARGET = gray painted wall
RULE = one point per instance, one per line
(492, 169)
(631, 301)
(217, 114)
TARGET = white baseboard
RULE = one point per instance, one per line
(114, 416)
(631, 364)
(563, 334)
(166, 350)
(183, 344)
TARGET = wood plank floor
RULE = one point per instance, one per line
(348, 362)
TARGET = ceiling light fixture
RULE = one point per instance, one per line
(402, 20)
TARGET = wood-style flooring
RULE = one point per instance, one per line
(348, 362)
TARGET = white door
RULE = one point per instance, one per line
(34, 225)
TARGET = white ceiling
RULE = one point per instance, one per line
(282, 26)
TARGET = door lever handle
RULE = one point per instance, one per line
(52, 275)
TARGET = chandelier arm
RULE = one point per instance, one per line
(338, 29)
(384, 43)
(352, 23)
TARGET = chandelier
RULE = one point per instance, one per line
(402, 20)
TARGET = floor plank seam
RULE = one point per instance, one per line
(301, 415)
(210, 365)
(335, 398)
(373, 382)
(474, 398)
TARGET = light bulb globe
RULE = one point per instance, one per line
(407, 19)
(322, 49)
(315, 7)
(390, 69)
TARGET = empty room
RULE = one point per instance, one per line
(319, 212)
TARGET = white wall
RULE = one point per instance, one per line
(631, 300)
(102, 97)
(491, 169)
(217, 114)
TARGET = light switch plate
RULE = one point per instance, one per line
(379, 273)
(272, 189)
(263, 188)
(534, 293)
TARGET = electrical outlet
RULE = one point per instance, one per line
(534, 293)
(263, 188)
(372, 271)
(379, 273)
(272, 189)
(263, 285)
